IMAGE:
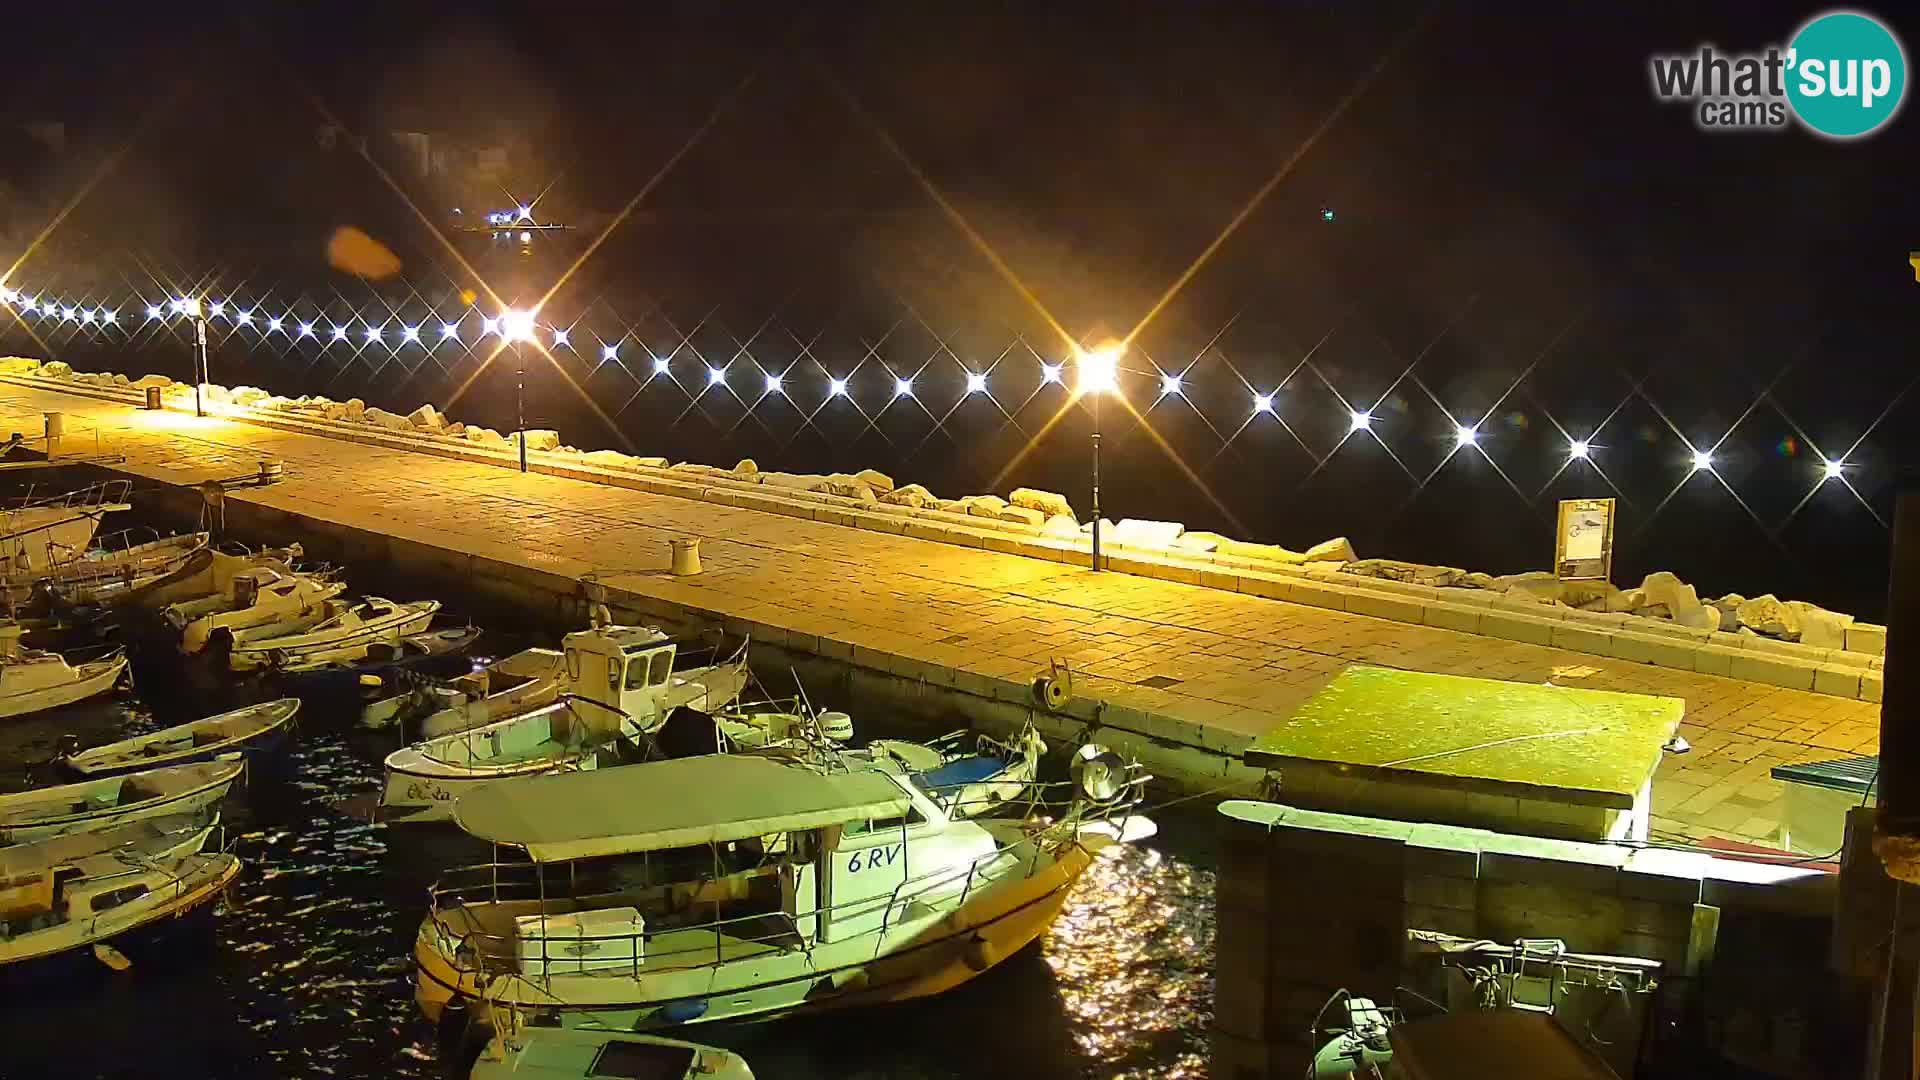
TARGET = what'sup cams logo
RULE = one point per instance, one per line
(1843, 75)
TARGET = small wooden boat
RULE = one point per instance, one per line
(346, 633)
(424, 780)
(258, 732)
(108, 801)
(32, 681)
(259, 597)
(70, 893)
(36, 533)
(210, 573)
(116, 569)
(554, 1052)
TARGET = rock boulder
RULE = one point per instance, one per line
(880, 483)
(427, 418)
(1047, 502)
(912, 495)
(986, 506)
(1819, 627)
(145, 381)
(1338, 549)
(1063, 526)
(59, 369)
(1021, 515)
(1143, 533)
(1767, 615)
(746, 467)
(385, 419)
(355, 408)
(541, 439)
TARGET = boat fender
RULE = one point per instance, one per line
(680, 1012)
(111, 956)
(980, 954)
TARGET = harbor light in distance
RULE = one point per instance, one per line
(1465, 435)
(215, 309)
(976, 383)
(272, 324)
(903, 388)
(559, 338)
(716, 376)
(1263, 403)
(373, 333)
(1702, 459)
(410, 333)
(1834, 470)
(244, 318)
(306, 329)
(109, 315)
(339, 333)
(661, 364)
(1169, 384)
(836, 387)
(1359, 421)
(489, 325)
(773, 383)
(190, 307)
(1578, 450)
(609, 352)
(1050, 373)
(449, 330)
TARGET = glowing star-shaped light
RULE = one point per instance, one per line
(1579, 450)
(1263, 403)
(559, 338)
(339, 333)
(489, 326)
(609, 352)
(716, 376)
(244, 318)
(154, 311)
(306, 329)
(1465, 435)
(903, 388)
(836, 387)
(180, 307)
(1702, 459)
(976, 382)
(215, 308)
(526, 213)
(109, 316)
(1169, 384)
(274, 324)
(1833, 469)
(67, 314)
(373, 333)
(1359, 421)
(49, 308)
(1050, 373)
(773, 384)
(86, 317)
(410, 333)
(1099, 369)
(516, 325)
(449, 330)
(661, 365)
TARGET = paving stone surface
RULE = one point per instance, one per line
(1229, 664)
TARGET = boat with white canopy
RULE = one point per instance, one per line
(730, 886)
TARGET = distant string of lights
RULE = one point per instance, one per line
(521, 326)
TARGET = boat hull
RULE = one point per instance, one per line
(429, 797)
(264, 753)
(90, 684)
(192, 801)
(971, 940)
(29, 959)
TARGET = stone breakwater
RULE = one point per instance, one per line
(1660, 604)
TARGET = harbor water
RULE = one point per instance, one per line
(305, 970)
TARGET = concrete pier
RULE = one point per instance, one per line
(1183, 675)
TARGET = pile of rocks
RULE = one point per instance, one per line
(1659, 596)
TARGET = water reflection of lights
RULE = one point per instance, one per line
(1132, 952)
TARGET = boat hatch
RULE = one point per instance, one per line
(642, 1061)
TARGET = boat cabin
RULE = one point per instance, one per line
(626, 669)
(701, 860)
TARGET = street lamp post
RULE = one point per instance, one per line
(199, 349)
(1099, 374)
(517, 326)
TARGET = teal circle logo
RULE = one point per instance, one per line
(1846, 76)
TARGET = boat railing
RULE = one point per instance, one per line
(101, 493)
(526, 882)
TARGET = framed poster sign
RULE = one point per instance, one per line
(1583, 545)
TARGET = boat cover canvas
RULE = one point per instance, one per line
(670, 804)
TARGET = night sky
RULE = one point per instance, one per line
(1523, 238)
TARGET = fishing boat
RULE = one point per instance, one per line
(109, 573)
(259, 596)
(38, 532)
(258, 732)
(615, 683)
(697, 672)
(345, 633)
(107, 801)
(213, 572)
(730, 886)
(967, 780)
(385, 678)
(556, 1053)
(33, 681)
(69, 893)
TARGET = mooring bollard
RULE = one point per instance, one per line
(686, 556)
(56, 427)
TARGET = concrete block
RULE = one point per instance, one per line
(1528, 607)
(1385, 606)
(1427, 890)
(1586, 639)
(1717, 660)
(1448, 616)
(1445, 850)
(1839, 680)
(1263, 585)
(1849, 659)
(1772, 670)
(1592, 874)
(1502, 623)
(1792, 650)
(1868, 638)
(1663, 876)
(1872, 684)
(1314, 594)
(1652, 649)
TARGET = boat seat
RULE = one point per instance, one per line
(208, 738)
(967, 770)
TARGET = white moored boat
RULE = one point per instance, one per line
(37, 533)
(675, 671)
(259, 596)
(32, 681)
(734, 885)
(255, 732)
(345, 633)
(567, 1054)
(118, 568)
(72, 892)
(93, 805)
